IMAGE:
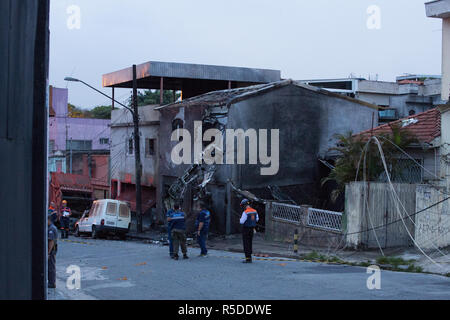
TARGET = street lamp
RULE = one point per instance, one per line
(78, 80)
(137, 146)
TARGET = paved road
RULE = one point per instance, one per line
(134, 270)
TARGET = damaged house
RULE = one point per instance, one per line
(294, 125)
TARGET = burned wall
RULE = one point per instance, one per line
(307, 120)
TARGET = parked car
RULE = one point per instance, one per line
(105, 217)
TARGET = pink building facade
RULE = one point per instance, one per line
(95, 133)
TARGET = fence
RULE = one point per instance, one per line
(324, 219)
(315, 227)
(287, 212)
(375, 217)
(317, 218)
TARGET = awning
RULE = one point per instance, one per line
(71, 182)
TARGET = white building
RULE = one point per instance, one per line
(409, 95)
(441, 9)
(123, 179)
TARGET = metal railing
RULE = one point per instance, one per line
(287, 212)
(324, 219)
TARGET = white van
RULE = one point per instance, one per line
(105, 217)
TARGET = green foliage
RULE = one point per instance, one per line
(100, 112)
(149, 97)
(314, 256)
(394, 264)
(350, 155)
(75, 112)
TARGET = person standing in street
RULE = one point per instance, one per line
(53, 213)
(248, 221)
(178, 232)
(65, 220)
(202, 225)
(52, 236)
(169, 232)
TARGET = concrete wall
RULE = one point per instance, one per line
(406, 103)
(308, 122)
(445, 59)
(445, 147)
(432, 225)
(380, 210)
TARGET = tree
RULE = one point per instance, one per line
(349, 165)
(149, 97)
(75, 112)
(101, 112)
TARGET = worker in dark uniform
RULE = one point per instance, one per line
(52, 236)
(178, 231)
(169, 232)
(248, 221)
(202, 225)
(53, 212)
(65, 220)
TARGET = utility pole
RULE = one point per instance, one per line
(137, 153)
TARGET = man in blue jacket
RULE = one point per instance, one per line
(178, 231)
(202, 225)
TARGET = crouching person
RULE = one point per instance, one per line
(178, 223)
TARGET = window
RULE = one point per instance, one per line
(124, 211)
(51, 146)
(92, 211)
(111, 209)
(130, 146)
(59, 165)
(150, 147)
(79, 145)
(104, 141)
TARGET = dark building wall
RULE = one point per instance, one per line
(23, 122)
(307, 121)
(296, 113)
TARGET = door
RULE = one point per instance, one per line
(124, 216)
(111, 215)
(84, 224)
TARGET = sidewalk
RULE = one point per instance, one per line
(398, 259)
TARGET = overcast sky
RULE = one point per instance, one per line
(304, 39)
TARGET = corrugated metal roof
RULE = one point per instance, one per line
(191, 71)
(224, 97)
